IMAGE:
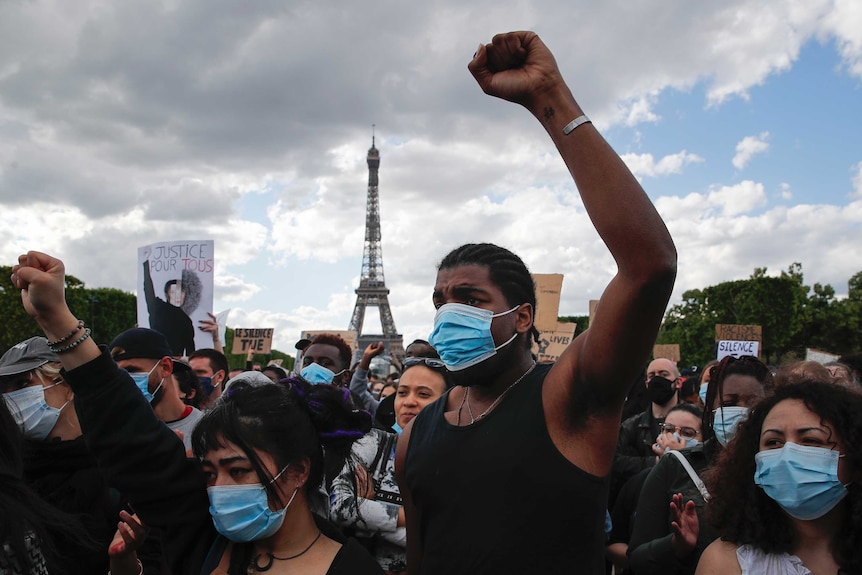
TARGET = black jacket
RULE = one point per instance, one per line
(142, 459)
(650, 548)
(634, 449)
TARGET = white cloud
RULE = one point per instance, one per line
(127, 123)
(785, 193)
(644, 165)
(857, 180)
(748, 147)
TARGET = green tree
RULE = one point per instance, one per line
(774, 303)
(106, 311)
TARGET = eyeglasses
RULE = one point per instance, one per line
(431, 362)
(689, 432)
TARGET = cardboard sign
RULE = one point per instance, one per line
(737, 340)
(726, 332)
(552, 344)
(667, 351)
(175, 292)
(737, 348)
(548, 288)
(258, 340)
(594, 304)
(346, 335)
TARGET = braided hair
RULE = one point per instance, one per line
(506, 270)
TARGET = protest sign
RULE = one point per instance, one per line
(737, 340)
(175, 281)
(258, 340)
(553, 343)
(668, 351)
(548, 288)
(594, 304)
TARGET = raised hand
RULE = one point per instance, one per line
(517, 67)
(41, 279)
(685, 525)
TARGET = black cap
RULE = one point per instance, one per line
(27, 356)
(140, 342)
(302, 344)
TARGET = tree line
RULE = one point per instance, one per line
(792, 315)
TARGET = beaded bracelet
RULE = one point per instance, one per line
(71, 333)
(73, 345)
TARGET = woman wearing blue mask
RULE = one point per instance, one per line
(366, 499)
(787, 492)
(669, 532)
(242, 506)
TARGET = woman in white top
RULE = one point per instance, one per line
(787, 492)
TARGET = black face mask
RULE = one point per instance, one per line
(660, 390)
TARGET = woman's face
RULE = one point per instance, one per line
(417, 387)
(684, 423)
(229, 465)
(739, 391)
(791, 421)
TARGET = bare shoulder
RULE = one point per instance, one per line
(719, 559)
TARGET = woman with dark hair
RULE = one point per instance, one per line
(786, 495)
(669, 531)
(366, 499)
(635, 528)
(243, 508)
(30, 528)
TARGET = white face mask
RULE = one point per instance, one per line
(31, 412)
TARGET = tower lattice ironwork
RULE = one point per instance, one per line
(372, 290)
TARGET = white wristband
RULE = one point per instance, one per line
(570, 127)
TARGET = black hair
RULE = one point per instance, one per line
(745, 365)
(337, 342)
(187, 381)
(289, 422)
(440, 370)
(688, 408)
(743, 513)
(25, 515)
(506, 270)
(218, 361)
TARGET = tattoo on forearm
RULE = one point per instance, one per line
(549, 113)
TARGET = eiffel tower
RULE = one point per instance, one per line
(372, 290)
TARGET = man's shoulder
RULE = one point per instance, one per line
(639, 419)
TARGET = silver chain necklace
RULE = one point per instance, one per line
(466, 400)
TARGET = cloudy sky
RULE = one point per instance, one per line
(125, 123)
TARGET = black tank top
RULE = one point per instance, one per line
(498, 497)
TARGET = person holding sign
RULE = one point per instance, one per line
(526, 491)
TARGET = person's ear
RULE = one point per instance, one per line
(166, 366)
(297, 473)
(524, 318)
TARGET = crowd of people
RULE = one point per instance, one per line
(131, 459)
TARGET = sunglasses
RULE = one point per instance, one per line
(431, 362)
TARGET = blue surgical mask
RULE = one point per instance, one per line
(241, 512)
(142, 380)
(686, 441)
(726, 420)
(802, 479)
(315, 373)
(462, 335)
(31, 412)
(702, 392)
(207, 384)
